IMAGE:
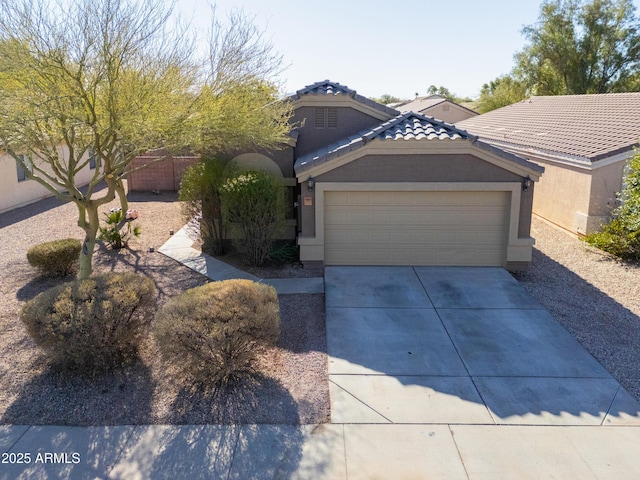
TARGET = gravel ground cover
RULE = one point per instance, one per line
(291, 386)
(593, 295)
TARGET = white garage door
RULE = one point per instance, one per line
(416, 228)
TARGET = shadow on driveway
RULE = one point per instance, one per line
(604, 327)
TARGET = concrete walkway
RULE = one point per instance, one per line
(179, 248)
(434, 373)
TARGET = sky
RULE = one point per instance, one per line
(386, 47)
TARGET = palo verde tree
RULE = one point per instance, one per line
(579, 47)
(102, 78)
(112, 79)
(237, 110)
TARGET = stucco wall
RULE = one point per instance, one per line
(418, 168)
(350, 122)
(606, 182)
(563, 196)
(14, 194)
(449, 113)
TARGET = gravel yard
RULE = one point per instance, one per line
(594, 296)
(290, 388)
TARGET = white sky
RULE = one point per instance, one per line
(393, 47)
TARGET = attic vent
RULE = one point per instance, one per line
(445, 108)
(332, 117)
(320, 117)
(326, 117)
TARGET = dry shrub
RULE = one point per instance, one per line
(215, 332)
(57, 258)
(92, 325)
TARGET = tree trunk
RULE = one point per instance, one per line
(122, 196)
(90, 228)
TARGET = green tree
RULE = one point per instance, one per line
(621, 237)
(579, 47)
(84, 78)
(112, 78)
(501, 92)
(446, 93)
(386, 99)
(238, 104)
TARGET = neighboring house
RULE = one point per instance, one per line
(438, 107)
(583, 141)
(16, 190)
(377, 187)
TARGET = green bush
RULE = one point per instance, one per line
(200, 194)
(113, 234)
(58, 258)
(621, 237)
(255, 204)
(215, 332)
(92, 325)
(617, 240)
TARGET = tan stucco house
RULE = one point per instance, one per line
(378, 187)
(16, 190)
(583, 142)
(369, 185)
(436, 106)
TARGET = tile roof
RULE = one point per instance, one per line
(582, 128)
(420, 104)
(327, 87)
(406, 126)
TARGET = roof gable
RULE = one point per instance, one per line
(331, 93)
(406, 127)
(579, 128)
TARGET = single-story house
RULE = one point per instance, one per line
(436, 106)
(583, 142)
(16, 190)
(372, 186)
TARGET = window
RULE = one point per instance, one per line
(326, 117)
(92, 158)
(22, 174)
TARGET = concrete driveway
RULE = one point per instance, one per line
(462, 363)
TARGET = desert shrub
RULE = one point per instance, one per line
(92, 325)
(58, 257)
(116, 236)
(215, 332)
(617, 240)
(621, 237)
(286, 252)
(255, 204)
(200, 194)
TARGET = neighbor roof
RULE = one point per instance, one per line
(406, 126)
(327, 87)
(420, 104)
(586, 128)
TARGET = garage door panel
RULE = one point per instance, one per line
(416, 228)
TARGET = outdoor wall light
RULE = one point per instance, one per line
(310, 183)
(526, 183)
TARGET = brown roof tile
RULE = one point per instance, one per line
(582, 127)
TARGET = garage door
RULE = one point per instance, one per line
(416, 228)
